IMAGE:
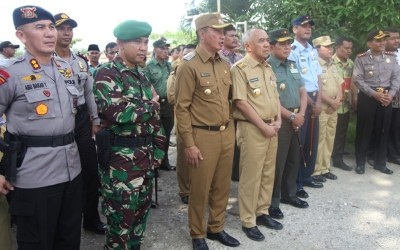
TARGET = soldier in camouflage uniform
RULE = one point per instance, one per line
(129, 108)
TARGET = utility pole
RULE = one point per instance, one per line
(219, 6)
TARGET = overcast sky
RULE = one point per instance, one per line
(97, 19)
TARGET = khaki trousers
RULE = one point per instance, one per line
(210, 181)
(257, 172)
(327, 131)
(182, 170)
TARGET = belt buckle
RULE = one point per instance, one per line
(379, 90)
(222, 128)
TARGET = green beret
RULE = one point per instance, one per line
(132, 29)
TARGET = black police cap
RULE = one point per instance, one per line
(29, 14)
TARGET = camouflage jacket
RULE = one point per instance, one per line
(124, 99)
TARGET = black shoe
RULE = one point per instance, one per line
(329, 176)
(342, 166)
(275, 212)
(185, 199)
(224, 238)
(384, 170)
(360, 169)
(267, 221)
(296, 203)
(394, 160)
(199, 244)
(318, 178)
(302, 193)
(168, 167)
(154, 204)
(253, 233)
(313, 184)
(98, 228)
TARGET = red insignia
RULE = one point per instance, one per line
(34, 64)
(46, 93)
(3, 76)
(28, 12)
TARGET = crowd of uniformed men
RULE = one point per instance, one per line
(272, 119)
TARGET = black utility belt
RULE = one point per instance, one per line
(45, 141)
(212, 128)
(381, 89)
(131, 141)
(294, 110)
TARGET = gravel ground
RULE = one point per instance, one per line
(352, 212)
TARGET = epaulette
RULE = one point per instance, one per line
(390, 53)
(362, 54)
(84, 59)
(189, 56)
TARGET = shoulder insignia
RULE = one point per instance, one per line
(242, 65)
(34, 63)
(189, 56)
(294, 47)
(362, 54)
(81, 64)
(391, 53)
(3, 76)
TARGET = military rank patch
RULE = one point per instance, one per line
(41, 109)
(31, 77)
(189, 56)
(3, 76)
(34, 63)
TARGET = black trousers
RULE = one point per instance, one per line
(309, 133)
(340, 137)
(287, 161)
(394, 135)
(90, 175)
(372, 118)
(236, 160)
(48, 218)
(167, 121)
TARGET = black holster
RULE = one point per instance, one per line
(13, 156)
(103, 142)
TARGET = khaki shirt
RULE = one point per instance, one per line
(255, 83)
(376, 71)
(202, 87)
(331, 80)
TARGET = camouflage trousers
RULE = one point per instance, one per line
(126, 206)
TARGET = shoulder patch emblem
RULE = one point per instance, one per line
(3, 76)
(242, 65)
(33, 77)
(189, 56)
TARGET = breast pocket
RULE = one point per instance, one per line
(369, 71)
(40, 104)
(254, 87)
(207, 88)
(73, 97)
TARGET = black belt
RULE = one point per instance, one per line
(213, 128)
(45, 141)
(130, 141)
(381, 89)
(313, 93)
(268, 121)
(295, 110)
(82, 108)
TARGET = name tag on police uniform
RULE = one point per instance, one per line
(294, 71)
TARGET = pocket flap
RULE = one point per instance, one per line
(38, 95)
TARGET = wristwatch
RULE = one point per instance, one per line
(292, 116)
